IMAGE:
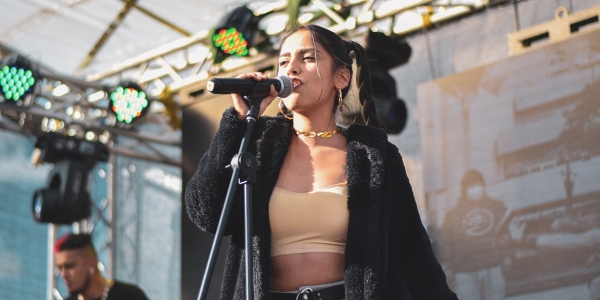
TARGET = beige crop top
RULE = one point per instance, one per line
(309, 222)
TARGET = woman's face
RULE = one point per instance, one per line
(311, 69)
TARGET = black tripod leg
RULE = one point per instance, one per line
(214, 249)
(248, 238)
(245, 162)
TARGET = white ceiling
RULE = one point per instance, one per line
(60, 33)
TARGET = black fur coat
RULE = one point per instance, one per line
(388, 253)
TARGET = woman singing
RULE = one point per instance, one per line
(334, 215)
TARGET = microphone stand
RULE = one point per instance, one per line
(243, 162)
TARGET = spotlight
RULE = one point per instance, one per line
(237, 32)
(231, 42)
(66, 198)
(128, 102)
(17, 80)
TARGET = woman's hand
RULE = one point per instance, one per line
(240, 104)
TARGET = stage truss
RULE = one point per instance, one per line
(188, 61)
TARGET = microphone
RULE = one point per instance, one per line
(248, 87)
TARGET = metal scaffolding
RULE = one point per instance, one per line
(188, 61)
(77, 108)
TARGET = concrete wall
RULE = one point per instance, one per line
(455, 47)
(465, 49)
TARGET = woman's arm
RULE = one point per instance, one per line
(409, 242)
(206, 191)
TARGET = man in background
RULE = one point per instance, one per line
(469, 251)
(78, 264)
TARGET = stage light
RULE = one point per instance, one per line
(237, 32)
(52, 125)
(66, 198)
(387, 53)
(104, 137)
(18, 80)
(231, 42)
(61, 90)
(90, 136)
(128, 102)
(96, 96)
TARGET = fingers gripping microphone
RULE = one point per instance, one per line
(248, 87)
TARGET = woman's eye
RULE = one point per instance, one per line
(282, 63)
(308, 58)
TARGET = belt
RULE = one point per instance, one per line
(330, 293)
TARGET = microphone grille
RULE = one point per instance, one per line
(287, 86)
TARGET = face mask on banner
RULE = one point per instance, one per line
(475, 192)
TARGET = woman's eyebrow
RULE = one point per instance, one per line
(302, 51)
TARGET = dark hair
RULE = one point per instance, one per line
(339, 49)
(74, 242)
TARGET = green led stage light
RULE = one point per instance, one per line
(231, 42)
(17, 80)
(128, 102)
(236, 34)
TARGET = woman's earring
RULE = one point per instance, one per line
(281, 110)
(340, 100)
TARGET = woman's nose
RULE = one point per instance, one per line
(292, 68)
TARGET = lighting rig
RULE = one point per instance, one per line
(252, 33)
(87, 110)
(35, 100)
(78, 123)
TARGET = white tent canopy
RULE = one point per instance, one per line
(61, 33)
(77, 37)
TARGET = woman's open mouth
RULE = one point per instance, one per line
(296, 82)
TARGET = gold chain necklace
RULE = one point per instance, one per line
(312, 134)
(104, 292)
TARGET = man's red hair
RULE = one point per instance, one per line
(58, 244)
